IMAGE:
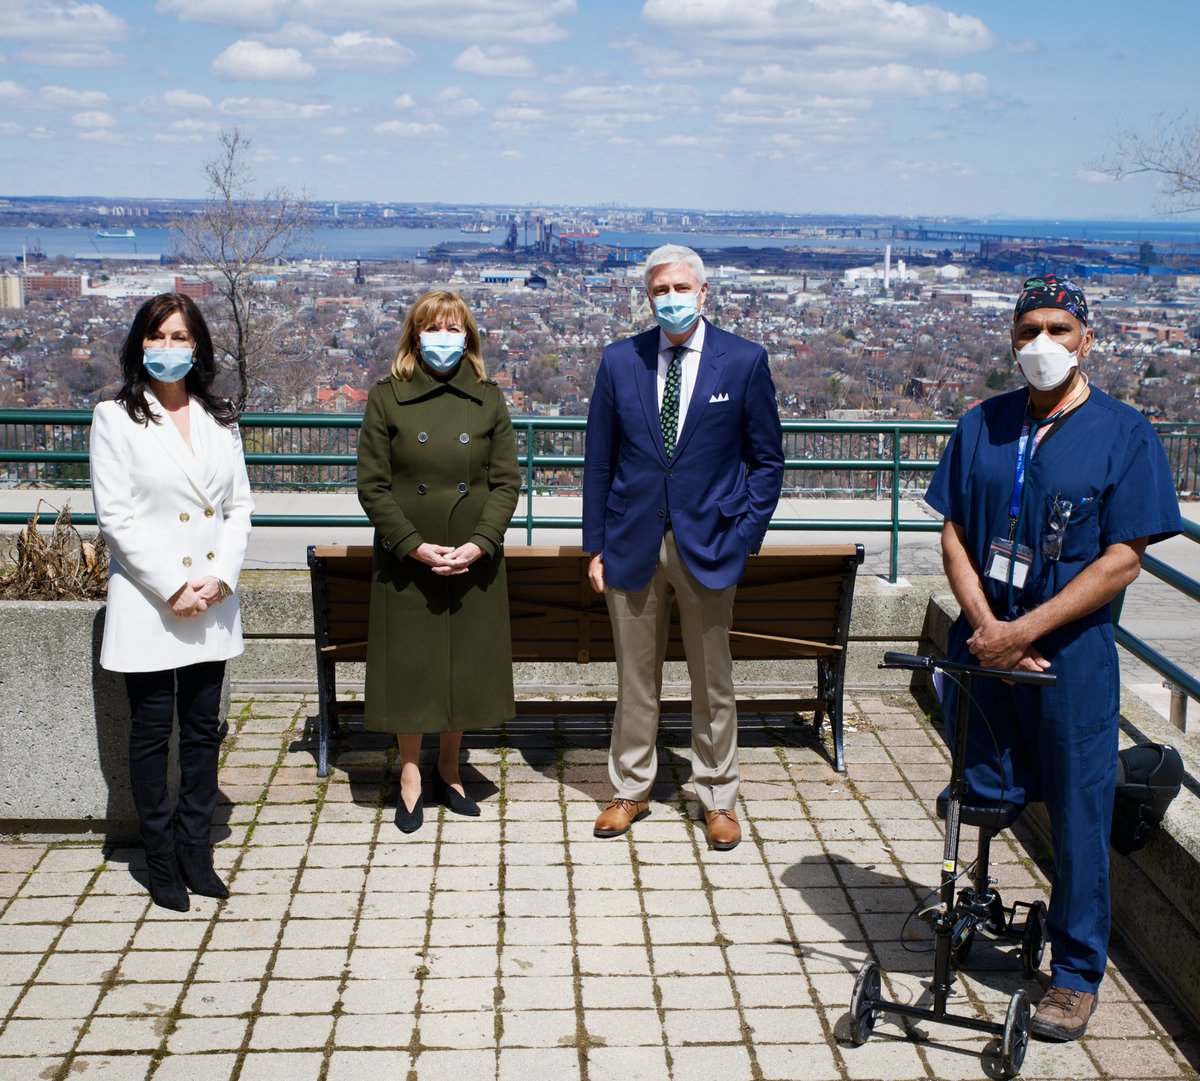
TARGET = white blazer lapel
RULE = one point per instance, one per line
(172, 443)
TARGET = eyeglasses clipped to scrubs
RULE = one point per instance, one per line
(1060, 516)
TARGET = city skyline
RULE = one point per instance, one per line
(802, 106)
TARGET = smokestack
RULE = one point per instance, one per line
(887, 268)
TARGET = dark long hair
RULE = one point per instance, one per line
(135, 379)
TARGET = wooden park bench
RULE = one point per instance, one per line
(792, 603)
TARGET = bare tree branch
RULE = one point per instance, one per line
(1169, 151)
(232, 241)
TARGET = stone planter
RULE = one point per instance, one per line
(64, 724)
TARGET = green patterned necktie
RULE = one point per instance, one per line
(668, 414)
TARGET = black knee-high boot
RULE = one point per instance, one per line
(200, 734)
(152, 705)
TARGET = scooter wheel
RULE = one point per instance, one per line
(1015, 1040)
(1033, 939)
(867, 989)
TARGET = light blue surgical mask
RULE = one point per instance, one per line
(676, 312)
(168, 364)
(442, 349)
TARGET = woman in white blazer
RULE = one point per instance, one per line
(173, 504)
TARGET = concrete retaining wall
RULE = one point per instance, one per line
(64, 724)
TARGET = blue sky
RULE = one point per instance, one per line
(809, 106)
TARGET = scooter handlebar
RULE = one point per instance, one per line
(914, 663)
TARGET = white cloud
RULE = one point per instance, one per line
(517, 119)
(41, 133)
(177, 137)
(628, 98)
(333, 159)
(194, 127)
(11, 93)
(104, 135)
(904, 170)
(848, 27)
(254, 60)
(510, 153)
(403, 129)
(63, 97)
(74, 55)
(333, 132)
(681, 140)
(362, 51)
(93, 120)
(404, 101)
(9, 127)
(60, 21)
(881, 81)
(273, 109)
(526, 22)
(173, 101)
(454, 101)
(474, 61)
(49, 97)
(224, 12)
(1095, 176)
(599, 108)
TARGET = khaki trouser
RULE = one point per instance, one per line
(640, 621)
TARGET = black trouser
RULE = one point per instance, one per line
(153, 698)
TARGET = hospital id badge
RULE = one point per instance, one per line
(999, 556)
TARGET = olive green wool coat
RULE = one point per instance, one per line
(437, 462)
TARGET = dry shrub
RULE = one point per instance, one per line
(66, 566)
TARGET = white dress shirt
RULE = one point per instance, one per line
(690, 362)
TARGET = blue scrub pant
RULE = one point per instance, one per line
(1057, 744)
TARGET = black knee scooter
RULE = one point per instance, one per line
(978, 906)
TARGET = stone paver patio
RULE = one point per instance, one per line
(517, 946)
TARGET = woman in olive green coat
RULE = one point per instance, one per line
(438, 477)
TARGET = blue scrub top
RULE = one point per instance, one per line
(1105, 459)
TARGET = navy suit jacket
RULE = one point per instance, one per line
(723, 482)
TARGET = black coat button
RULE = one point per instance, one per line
(422, 437)
(462, 487)
(420, 489)
(464, 438)
(660, 514)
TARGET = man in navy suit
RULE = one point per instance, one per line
(683, 468)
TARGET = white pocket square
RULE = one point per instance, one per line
(718, 398)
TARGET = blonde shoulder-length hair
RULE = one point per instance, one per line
(427, 311)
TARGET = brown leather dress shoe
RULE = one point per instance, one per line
(722, 829)
(1063, 1013)
(617, 817)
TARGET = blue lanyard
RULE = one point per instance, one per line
(1018, 489)
(1016, 504)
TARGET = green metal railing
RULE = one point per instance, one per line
(315, 452)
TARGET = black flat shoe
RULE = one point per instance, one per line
(450, 799)
(196, 866)
(409, 821)
(166, 884)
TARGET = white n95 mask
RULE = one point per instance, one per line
(1044, 363)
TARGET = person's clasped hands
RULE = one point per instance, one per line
(444, 560)
(195, 598)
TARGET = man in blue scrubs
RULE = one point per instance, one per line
(1050, 495)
